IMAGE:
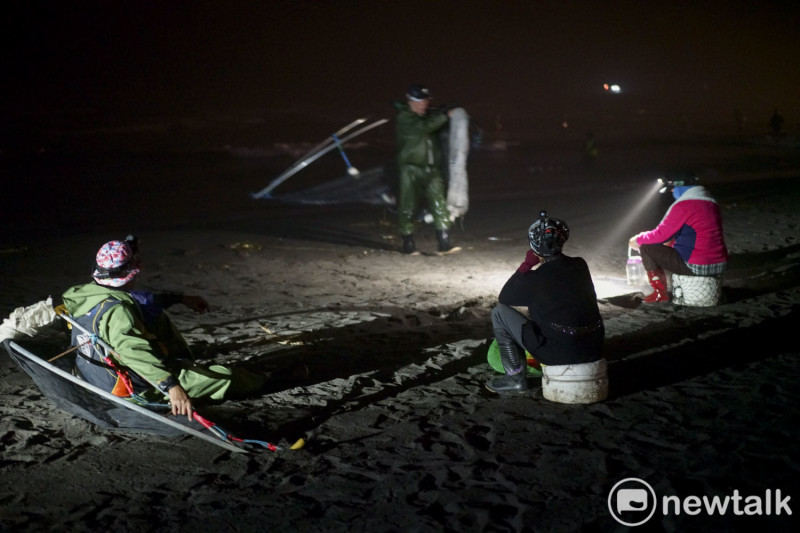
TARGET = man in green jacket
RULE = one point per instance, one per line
(419, 161)
(150, 356)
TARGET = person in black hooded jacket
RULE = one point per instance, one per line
(563, 325)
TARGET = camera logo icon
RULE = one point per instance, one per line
(632, 502)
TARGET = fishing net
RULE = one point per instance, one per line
(369, 187)
(696, 291)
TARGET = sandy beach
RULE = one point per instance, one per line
(400, 433)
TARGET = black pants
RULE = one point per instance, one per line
(655, 256)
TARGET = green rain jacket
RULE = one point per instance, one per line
(122, 327)
(415, 143)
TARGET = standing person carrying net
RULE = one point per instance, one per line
(419, 161)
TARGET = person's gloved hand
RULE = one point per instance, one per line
(531, 260)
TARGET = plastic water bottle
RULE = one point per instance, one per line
(634, 269)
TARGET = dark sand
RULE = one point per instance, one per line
(401, 434)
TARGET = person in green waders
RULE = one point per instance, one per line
(151, 359)
(419, 162)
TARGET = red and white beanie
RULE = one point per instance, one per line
(115, 264)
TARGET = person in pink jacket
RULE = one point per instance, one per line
(688, 240)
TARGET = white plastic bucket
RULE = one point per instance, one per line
(581, 383)
(696, 291)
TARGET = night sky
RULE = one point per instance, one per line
(528, 60)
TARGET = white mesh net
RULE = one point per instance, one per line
(697, 291)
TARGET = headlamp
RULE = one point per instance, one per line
(668, 184)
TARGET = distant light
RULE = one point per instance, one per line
(614, 88)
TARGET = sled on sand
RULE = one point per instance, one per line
(70, 393)
(82, 399)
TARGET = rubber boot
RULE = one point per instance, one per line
(445, 247)
(659, 284)
(409, 246)
(516, 370)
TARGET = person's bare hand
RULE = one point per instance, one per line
(180, 402)
(632, 243)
